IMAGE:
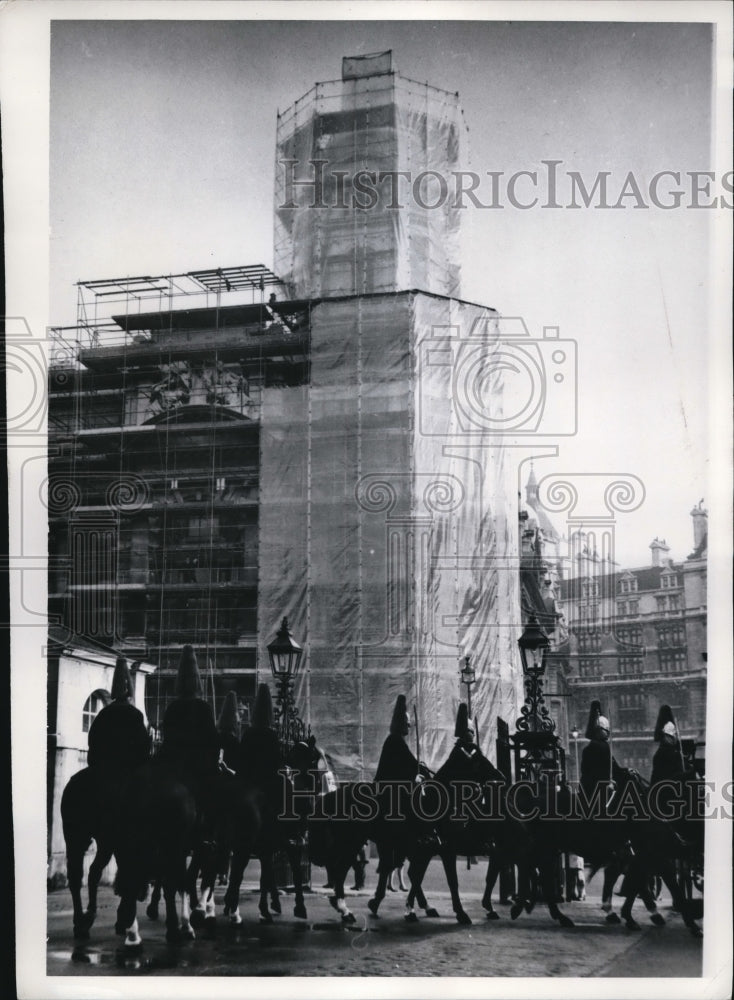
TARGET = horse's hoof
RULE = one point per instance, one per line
(275, 906)
(612, 918)
(658, 919)
(333, 902)
(349, 918)
(120, 929)
(565, 921)
(133, 947)
(432, 912)
(197, 918)
(151, 911)
(695, 930)
(493, 915)
(235, 920)
(516, 910)
(372, 906)
(529, 906)
(411, 918)
(631, 924)
(463, 918)
(299, 910)
(265, 918)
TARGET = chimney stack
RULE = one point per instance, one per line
(659, 547)
(700, 524)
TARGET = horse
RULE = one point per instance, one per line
(262, 828)
(158, 831)
(482, 829)
(84, 819)
(650, 845)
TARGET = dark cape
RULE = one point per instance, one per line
(667, 764)
(397, 762)
(190, 737)
(118, 737)
(598, 767)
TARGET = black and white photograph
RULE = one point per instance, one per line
(368, 404)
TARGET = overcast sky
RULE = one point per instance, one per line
(162, 160)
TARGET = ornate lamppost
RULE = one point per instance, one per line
(469, 677)
(537, 747)
(285, 659)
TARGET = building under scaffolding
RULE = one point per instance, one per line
(228, 448)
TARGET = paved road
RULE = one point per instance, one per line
(319, 946)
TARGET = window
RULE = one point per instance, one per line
(630, 665)
(669, 581)
(634, 607)
(588, 667)
(673, 602)
(92, 707)
(671, 635)
(629, 635)
(672, 661)
(628, 585)
(632, 708)
(621, 607)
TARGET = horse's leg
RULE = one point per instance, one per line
(547, 881)
(294, 858)
(611, 874)
(75, 851)
(373, 904)
(339, 874)
(155, 898)
(240, 857)
(647, 896)
(194, 869)
(267, 878)
(680, 903)
(98, 865)
(417, 867)
(420, 896)
(173, 931)
(493, 871)
(127, 919)
(448, 859)
(524, 898)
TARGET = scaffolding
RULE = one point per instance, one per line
(153, 488)
(364, 199)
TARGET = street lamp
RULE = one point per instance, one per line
(468, 676)
(285, 659)
(536, 744)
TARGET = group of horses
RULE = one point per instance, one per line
(148, 821)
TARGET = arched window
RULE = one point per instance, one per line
(93, 706)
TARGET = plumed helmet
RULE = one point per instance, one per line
(262, 710)
(188, 681)
(596, 719)
(464, 724)
(665, 717)
(397, 723)
(122, 682)
(229, 720)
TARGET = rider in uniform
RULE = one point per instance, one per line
(399, 768)
(667, 762)
(260, 756)
(118, 737)
(599, 769)
(190, 739)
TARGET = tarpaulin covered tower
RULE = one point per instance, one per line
(388, 515)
